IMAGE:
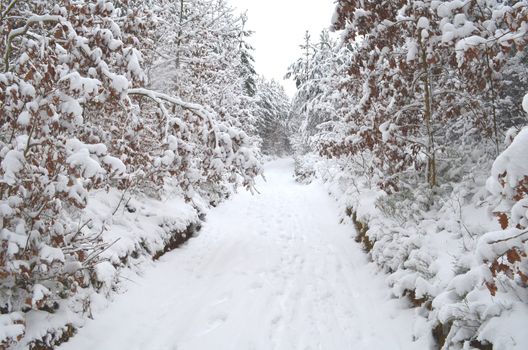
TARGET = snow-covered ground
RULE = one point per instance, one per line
(271, 271)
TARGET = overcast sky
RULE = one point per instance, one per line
(279, 27)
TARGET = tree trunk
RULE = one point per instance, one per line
(180, 32)
(428, 112)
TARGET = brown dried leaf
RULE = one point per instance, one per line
(503, 220)
(524, 277)
(492, 288)
(512, 255)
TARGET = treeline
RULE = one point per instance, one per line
(414, 100)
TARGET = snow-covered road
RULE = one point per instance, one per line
(270, 271)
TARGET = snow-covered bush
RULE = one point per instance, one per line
(432, 253)
(488, 299)
(507, 250)
(304, 171)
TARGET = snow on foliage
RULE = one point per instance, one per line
(84, 135)
(407, 115)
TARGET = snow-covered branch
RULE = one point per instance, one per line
(197, 109)
(22, 30)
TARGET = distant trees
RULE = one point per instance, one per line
(318, 74)
(272, 114)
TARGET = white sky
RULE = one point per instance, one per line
(279, 27)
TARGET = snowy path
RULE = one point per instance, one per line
(270, 271)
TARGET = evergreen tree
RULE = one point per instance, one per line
(272, 114)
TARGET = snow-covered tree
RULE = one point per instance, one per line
(79, 114)
(272, 113)
(319, 75)
(418, 69)
(203, 56)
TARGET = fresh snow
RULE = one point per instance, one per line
(274, 270)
